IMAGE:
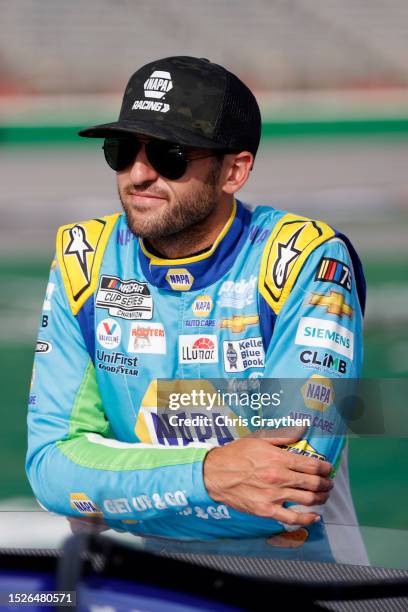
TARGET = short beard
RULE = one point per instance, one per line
(184, 222)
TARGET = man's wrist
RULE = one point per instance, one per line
(209, 468)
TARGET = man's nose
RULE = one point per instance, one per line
(141, 171)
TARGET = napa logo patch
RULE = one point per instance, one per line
(304, 448)
(179, 279)
(202, 306)
(318, 393)
(83, 504)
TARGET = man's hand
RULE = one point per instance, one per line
(254, 475)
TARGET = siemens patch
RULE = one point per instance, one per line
(325, 334)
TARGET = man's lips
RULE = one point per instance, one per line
(138, 197)
(146, 194)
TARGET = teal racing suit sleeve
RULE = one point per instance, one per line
(74, 464)
(318, 339)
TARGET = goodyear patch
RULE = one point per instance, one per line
(302, 447)
(318, 393)
(80, 249)
(179, 279)
(286, 250)
(84, 505)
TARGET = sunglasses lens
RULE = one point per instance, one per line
(169, 160)
(120, 152)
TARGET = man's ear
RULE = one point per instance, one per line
(237, 168)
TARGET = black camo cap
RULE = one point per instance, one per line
(189, 101)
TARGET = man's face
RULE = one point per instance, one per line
(157, 207)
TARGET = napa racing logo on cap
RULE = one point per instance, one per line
(84, 505)
(156, 87)
(158, 84)
(318, 393)
(109, 333)
(202, 306)
(179, 279)
(196, 348)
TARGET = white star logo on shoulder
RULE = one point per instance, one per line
(286, 254)
(79, 246)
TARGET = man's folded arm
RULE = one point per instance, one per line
(74, 463)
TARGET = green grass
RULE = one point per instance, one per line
(16, 364)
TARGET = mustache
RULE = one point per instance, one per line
(143, 187)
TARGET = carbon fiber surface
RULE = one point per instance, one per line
(306, 572)
(311, 573)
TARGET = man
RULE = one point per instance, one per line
(204, 289)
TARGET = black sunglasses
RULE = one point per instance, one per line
(168, 159)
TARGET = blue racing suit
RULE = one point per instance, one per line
(276, 296)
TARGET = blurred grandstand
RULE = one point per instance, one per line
(92, 45)
(332, 80)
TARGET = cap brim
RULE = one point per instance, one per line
(176, 135)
